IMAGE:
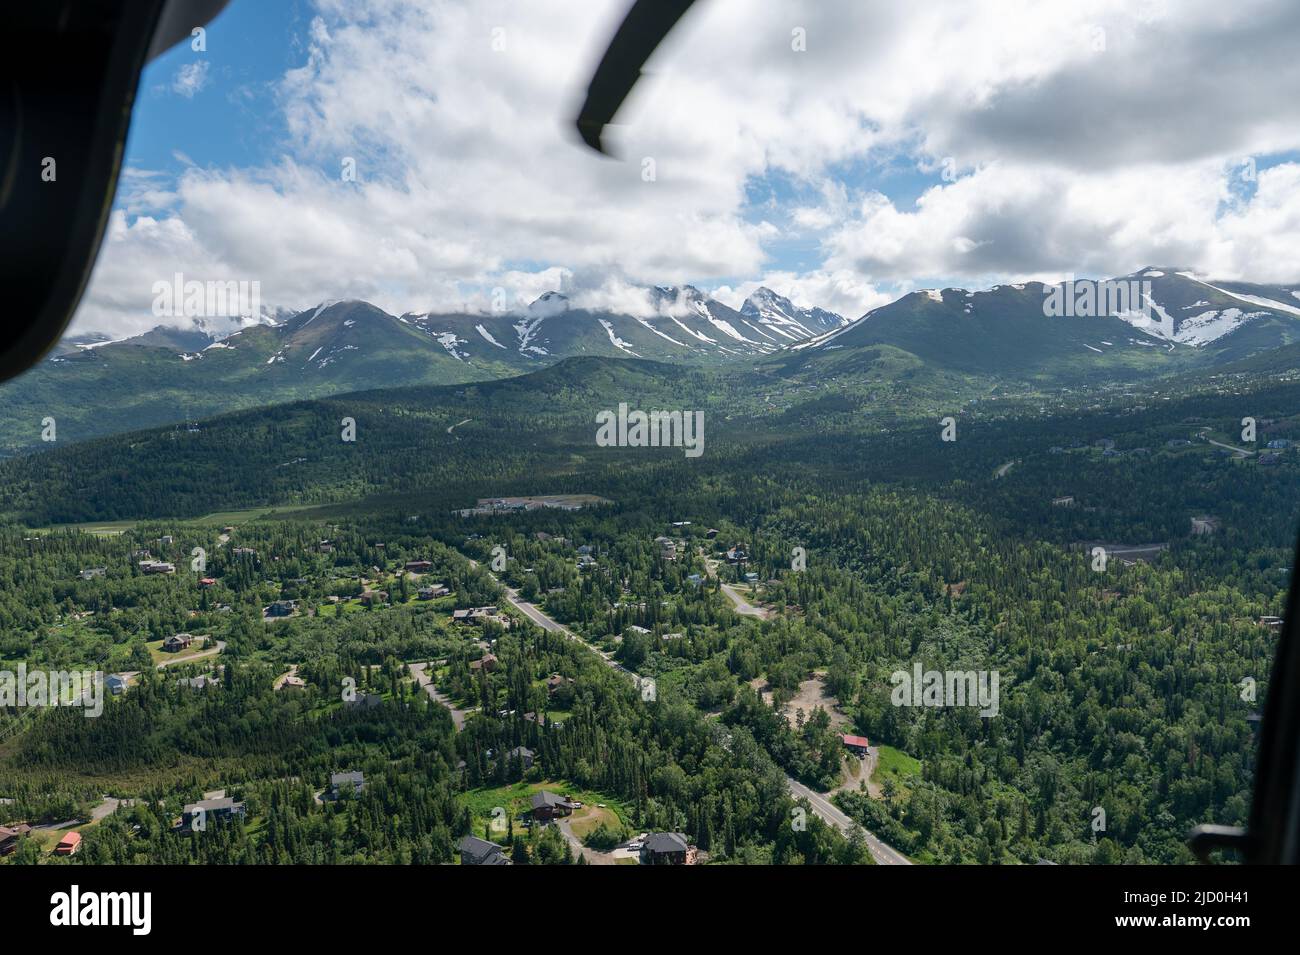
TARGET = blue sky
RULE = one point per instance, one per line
(233, 119)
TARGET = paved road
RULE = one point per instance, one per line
(825, 810)
(831, 815)
(743, 606)
(1219, 444)
(535, 614)
(1002, 471)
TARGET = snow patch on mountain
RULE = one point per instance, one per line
(1258, 300)
(449, 341)
(487, 336)
(616, 341)
(661, 334)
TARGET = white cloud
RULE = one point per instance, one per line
(1090, 137)
(191, 78)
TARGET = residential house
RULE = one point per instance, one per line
(1203, 526)
(419, 566)
(1274, 624)
(178, 642)
(293, 683)
(116, 683)
(1066, 501)
(68, 845)
(1270, 459)
(554, 682)
(90, 573)
(9, 836)
(280, 608)
(373, 598)
(665, 848)
(207, 581)
(523, 754)
(429, 593)
(487, 663)
(480, 616)
(1278, 444)
(547, 805)
(736, 554)
(476, 851)
(347, 784)
(859, 746)
(156, 567)
(206, 810)
(472, 614)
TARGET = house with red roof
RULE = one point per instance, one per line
(859, 746)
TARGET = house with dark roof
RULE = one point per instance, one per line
(9, 836)
(665, 848)
(347, 784)
(476, 851)
(523, 754)
(206, 810)
(547, 805)
(555, 682)
(178, 642)
(280, 608)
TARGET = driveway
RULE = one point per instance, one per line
(425, 680)
(221, 645)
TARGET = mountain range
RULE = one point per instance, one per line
(1171, 322)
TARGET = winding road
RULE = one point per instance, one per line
(823, 808)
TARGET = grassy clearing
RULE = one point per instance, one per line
(896, 765)
(515, 800)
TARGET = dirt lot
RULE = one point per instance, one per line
(812, 694)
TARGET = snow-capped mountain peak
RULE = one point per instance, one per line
(785, 318)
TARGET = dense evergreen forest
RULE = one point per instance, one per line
(1129, 687)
